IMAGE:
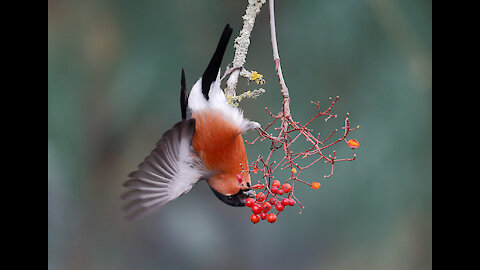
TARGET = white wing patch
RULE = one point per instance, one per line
(171, 169)
(217, 101)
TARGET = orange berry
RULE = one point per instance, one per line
(294, 170)
(316, 185)
(353, 143)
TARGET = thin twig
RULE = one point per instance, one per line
(276, 59)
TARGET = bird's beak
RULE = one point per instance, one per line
(237, 199)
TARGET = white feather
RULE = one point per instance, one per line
(218, 102)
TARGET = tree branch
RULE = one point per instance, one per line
(241, 44)
(276, 59)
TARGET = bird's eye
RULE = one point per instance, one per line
(248, 184)
(229, 198)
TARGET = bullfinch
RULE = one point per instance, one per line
(206, 145)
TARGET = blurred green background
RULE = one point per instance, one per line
(113, 86)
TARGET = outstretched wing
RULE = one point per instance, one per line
(171, 169)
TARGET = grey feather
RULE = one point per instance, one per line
(170, 170)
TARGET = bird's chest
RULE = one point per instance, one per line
(218, 142)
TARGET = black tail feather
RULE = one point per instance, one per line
(183, 96)
(210, 74)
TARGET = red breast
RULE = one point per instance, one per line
(222, 150)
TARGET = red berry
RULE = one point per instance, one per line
(276, 183)
(272, 201)
(292, 202)
(249, 202)
(256, 209)
(263, 215)
(266, 207)
(279, 207)
(271, 218)
(260, 197)
(286, 187)
(274, 189)
(254, 218)
(280, 191)
(286, 201)
(258, 186)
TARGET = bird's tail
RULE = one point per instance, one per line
(210, 74)
(183, 96)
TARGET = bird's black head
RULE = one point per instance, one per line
(237, 199)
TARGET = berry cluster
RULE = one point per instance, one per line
(261, 206)
(278, 196)
(274, 194)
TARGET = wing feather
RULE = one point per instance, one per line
(171, 169)
(133, 183)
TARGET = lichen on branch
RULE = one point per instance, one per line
(234, 100)
(242, 42)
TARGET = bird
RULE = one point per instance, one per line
(207, 144)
